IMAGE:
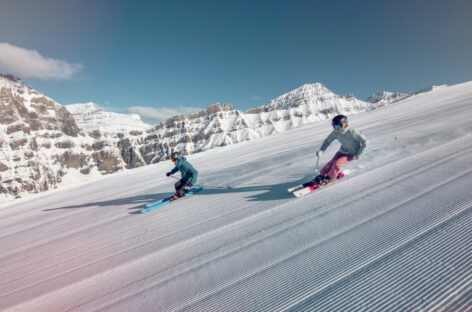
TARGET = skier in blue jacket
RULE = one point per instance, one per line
(188, 174)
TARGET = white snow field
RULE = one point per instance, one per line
(394, 235)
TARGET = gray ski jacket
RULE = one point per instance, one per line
(352, 142)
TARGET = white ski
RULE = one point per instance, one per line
(299, 190)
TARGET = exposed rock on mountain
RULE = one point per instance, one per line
(40, 142)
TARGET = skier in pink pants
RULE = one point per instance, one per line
(352, 145)
(332, 168)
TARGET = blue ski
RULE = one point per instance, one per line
(165, 201)
(156, 202)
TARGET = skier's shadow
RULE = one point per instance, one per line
(140, 201)
(262, 193)
(269, 192)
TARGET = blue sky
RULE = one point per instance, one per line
(163, 57)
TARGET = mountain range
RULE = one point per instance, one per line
(44, 144)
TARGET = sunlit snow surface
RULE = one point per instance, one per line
(394, 235)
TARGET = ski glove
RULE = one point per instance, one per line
(168, 174)
(319, 153)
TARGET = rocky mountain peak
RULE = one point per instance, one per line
(212, 109)
(315, 95)
(11, 78)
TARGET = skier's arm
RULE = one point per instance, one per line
(328, 141)
(174, 170)
(362, 143)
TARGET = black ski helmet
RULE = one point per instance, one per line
(340, 120)
(175, 155)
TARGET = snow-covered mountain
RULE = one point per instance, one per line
(42, 146)
(394, 235)
(316, 98)
(222, 125)
(45, 144)
(91, 117)
(386, 97)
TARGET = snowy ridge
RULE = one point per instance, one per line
(386, 97)
(393, 236)
(90, 117)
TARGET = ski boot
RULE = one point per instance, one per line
(319, 180)
(324, 180)
(312, 182)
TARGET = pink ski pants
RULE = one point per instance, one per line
(332, 168)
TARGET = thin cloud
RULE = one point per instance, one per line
(158, 115)
(29, 63)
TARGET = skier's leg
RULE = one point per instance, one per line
(328, 167)
(322, 178)
(178, 188)
(185, 187)
(339, 160)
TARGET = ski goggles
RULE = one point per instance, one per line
(337, 127)
(173, 159)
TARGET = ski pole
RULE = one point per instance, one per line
(316, 167)
(379, 146)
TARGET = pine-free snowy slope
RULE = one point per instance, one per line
(395, 235)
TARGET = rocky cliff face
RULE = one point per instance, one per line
(43, 143)
(40, 142)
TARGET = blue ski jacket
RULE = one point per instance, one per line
(189, 174)
(352, 142)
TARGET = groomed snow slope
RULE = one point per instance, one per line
(395, 235)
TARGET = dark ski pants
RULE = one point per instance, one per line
(180, 187)
(332, 168)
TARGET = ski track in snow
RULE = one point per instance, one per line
(393, 236)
